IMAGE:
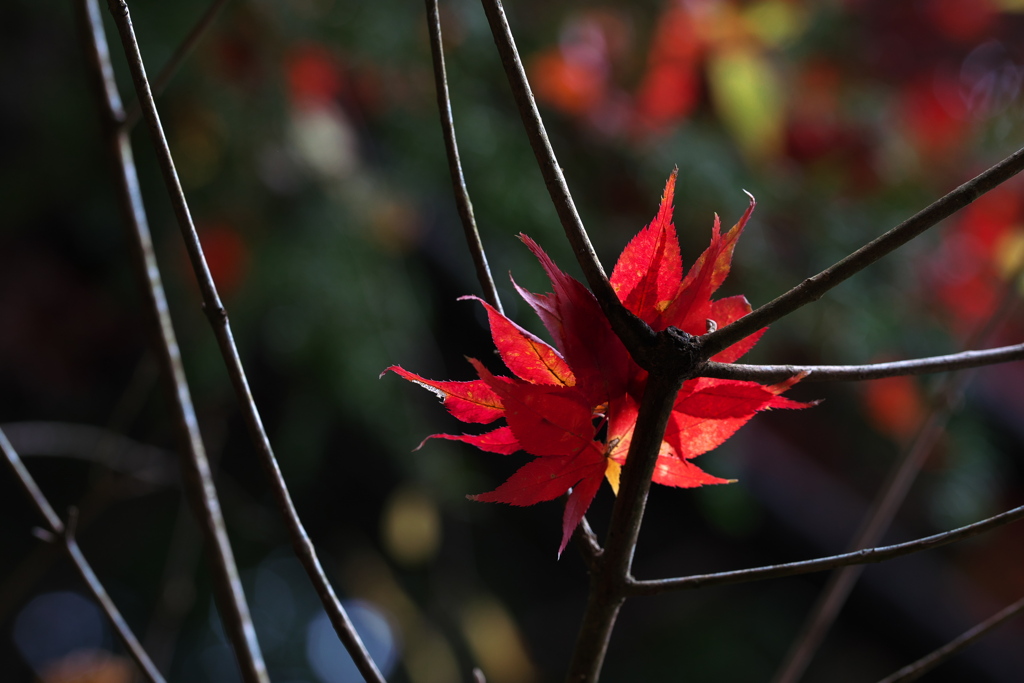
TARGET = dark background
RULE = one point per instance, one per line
(307, 141)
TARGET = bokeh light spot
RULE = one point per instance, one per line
(327, 656)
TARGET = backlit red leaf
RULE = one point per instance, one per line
(647, 275)
(596, 355)
(723, 398)
(527, 356)
(546, 420)
(547, 478)
(691, 308)
(579, 500)
(560, 398)
(500, 440)
(473, 401)
(673, 471)
(729, 310)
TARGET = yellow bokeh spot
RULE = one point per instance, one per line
(748, 96)
(495, 642)
(1010, 5)
(1009, 255)
(411, 527)
(775, 22)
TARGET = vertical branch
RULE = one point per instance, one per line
(465, 206)
(66, 535)
(608, 584)
(197, 475)
(888, 502)
(218, 317)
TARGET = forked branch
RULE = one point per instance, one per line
(64, 534)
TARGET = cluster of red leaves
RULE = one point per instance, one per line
(575, 405)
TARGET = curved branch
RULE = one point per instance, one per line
(912, 672)
(815, 287)
(218, 317)
(57, 529)
(635, 334)
(462, 201)
(857, 557)
(851, 373)
(197, 475)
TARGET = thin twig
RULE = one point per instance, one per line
(197, 474)
(912, 672)
(635, 334)
(889, 499)
(839, 585)
(218, 317)
(590, 548)
(815, 287)
(856, 557)
(850, 373)
(462, 201)
(184, 49)
(66, 536)
(611, 574)
(149, 464)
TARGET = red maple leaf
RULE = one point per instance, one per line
(560, 397)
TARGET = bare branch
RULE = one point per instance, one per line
(891, 496)
(590, 549)
(635, 334)
(838, 587)
(115, 451)
(851, 373)
(857, 557)
(197, 475)
(174, 63)
(462, 201)
(218, 317)
(815, 287)
(65, 534)
(611, 575)
(912, 672)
